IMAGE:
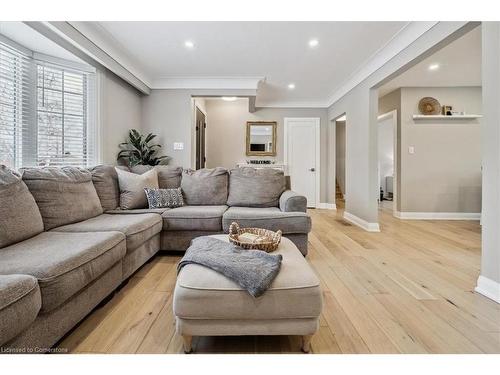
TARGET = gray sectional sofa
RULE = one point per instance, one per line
(65, 244)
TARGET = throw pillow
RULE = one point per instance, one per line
(132, 188)
(160, 198)
(205, 186)
(251, 187)
(169, 177)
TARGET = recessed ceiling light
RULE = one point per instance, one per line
(229, 98)
(291, 86)
(189, 44)
(433, 66)
(313, 43)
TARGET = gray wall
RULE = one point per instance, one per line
(340, 154)
(169, 114)
(444, 173)
(490, 260)
(120, 111)
(360, 105)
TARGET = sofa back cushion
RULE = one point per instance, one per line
(105, 181)
(20, 217)
(132, 186)
(205, 186)
(169, 177)
(64, 195)
(250, 187)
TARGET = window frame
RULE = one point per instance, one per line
(29, 156)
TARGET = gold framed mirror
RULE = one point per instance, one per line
(261, 138)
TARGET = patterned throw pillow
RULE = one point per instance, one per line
(160, 198)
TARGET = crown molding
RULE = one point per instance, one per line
(207, 83)
(406, 36)
(294, 104)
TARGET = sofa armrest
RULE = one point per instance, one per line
(290, 201)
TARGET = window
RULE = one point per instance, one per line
(13, 101)
(46, 112)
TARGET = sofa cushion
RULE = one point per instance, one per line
(64, 195)
(19, 214)
(105, 181)
(271, 218)
(136, 211)
(205, 186)
(20, 302)
(63, 263)
(250, 187)
(132, 186)
(136, 228)
(194, 218)
(169, 177)
(201, 293)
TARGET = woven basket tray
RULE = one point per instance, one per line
(254, 238)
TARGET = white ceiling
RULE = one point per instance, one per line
(34, 41)
(459, 65)
(278, 51)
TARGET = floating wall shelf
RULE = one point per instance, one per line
(443, 117)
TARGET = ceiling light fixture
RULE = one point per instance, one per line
(229, 98)
(313, 43)
(433, 66)
(189, 44)
(291, 86)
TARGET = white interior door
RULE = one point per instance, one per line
(302, 157)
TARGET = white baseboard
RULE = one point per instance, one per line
(370, 227)
(327, 206)
(488, 288)
(438, 215)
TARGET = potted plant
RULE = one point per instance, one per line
(138, 150)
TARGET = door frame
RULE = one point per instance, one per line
(194, 149)
(395, 187)
(317, 125)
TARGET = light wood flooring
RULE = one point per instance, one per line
(408, 289)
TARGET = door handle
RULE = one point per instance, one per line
(312, 169)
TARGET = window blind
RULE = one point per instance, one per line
(16, 105)
(47, 112)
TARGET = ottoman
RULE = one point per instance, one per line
(206, 303)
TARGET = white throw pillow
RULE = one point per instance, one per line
(132, 186)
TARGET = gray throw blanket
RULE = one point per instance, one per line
(252, 270)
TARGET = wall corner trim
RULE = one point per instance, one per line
(438, 215)
(488, 288)
(327, 206)
(353, 219)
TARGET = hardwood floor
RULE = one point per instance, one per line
(408, 289)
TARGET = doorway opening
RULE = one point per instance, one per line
(200, 129)
(340, 160)
(387, 160)
(429, 120)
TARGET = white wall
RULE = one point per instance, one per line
(120, 111)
